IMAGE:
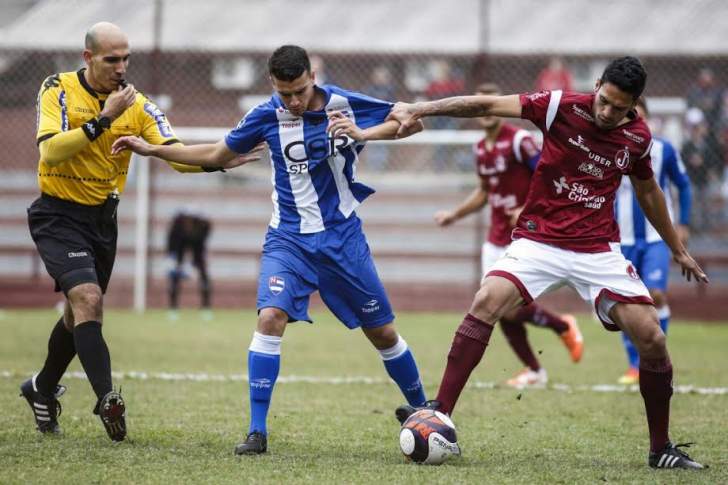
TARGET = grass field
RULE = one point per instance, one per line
(184, 431)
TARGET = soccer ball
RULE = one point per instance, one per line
(428, 437)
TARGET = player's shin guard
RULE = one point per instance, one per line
(61, 351)
(264, 362)
(656, 390)
(402, 368)
(94, 356)
(467, 349)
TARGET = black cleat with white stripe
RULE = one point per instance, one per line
(112, 411)
(46, 409)
(673, 457)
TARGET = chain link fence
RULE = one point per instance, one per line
(205, 91)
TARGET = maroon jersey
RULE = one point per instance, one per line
(505, 176)
(571, 197)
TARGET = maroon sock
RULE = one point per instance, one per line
(515, 333)
(656, 390)
(542, 317)
(467, 349)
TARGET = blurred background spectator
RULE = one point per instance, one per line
(556, 75)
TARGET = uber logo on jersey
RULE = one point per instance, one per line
(318, 148)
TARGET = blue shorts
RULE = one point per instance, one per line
(652, 261)
(336, 262)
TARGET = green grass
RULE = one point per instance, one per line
(184, 432)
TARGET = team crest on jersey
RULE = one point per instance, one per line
(622, 158)
(276, 285)
(632, 272)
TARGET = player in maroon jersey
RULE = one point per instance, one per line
(567, 233)
(505, 158)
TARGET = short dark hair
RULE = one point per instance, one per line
(288, 62)
(628, 74)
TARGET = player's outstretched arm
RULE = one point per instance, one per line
(339, 124)
(202, 155)
(459, 107)
(652, 200)
(475, 201)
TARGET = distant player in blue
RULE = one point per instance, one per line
(315, 239)
(640, 242)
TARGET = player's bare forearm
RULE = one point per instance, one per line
(388, 131)
(473, 203)
(204, 155)
(472, 106)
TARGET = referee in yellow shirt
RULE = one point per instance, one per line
(73, 223)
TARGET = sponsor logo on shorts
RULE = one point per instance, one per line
(79, 254)
(655, 275)
(370, 307)
(263, 383)
(632, 272)
(276, 285)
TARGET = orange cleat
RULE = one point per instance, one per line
(632, 376)
(572, 338)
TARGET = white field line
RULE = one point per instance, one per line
(338, 380)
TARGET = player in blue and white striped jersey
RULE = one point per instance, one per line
(640, 242)
(315, 240)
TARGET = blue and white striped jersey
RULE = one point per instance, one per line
(668, 168)
(314, 175)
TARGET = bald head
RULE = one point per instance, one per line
(105, 35)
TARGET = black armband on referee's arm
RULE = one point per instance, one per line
(213, 169)
(92, 128)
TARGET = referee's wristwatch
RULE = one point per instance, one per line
(104, 122)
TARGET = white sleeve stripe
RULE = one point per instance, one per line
(647, 152)
(517, 139)
(553, 107)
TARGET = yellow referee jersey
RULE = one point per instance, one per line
(65, 102)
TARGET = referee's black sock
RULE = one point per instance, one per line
(94, 356)
(61, 350)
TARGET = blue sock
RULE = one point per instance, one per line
(633, 357)
(264, 362)
(402, 368)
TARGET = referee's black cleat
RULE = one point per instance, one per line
(673, 457)
(112, 411)
(255, 444)
(405, 411)
(46, 409)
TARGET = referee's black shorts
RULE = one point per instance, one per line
(76, 242)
